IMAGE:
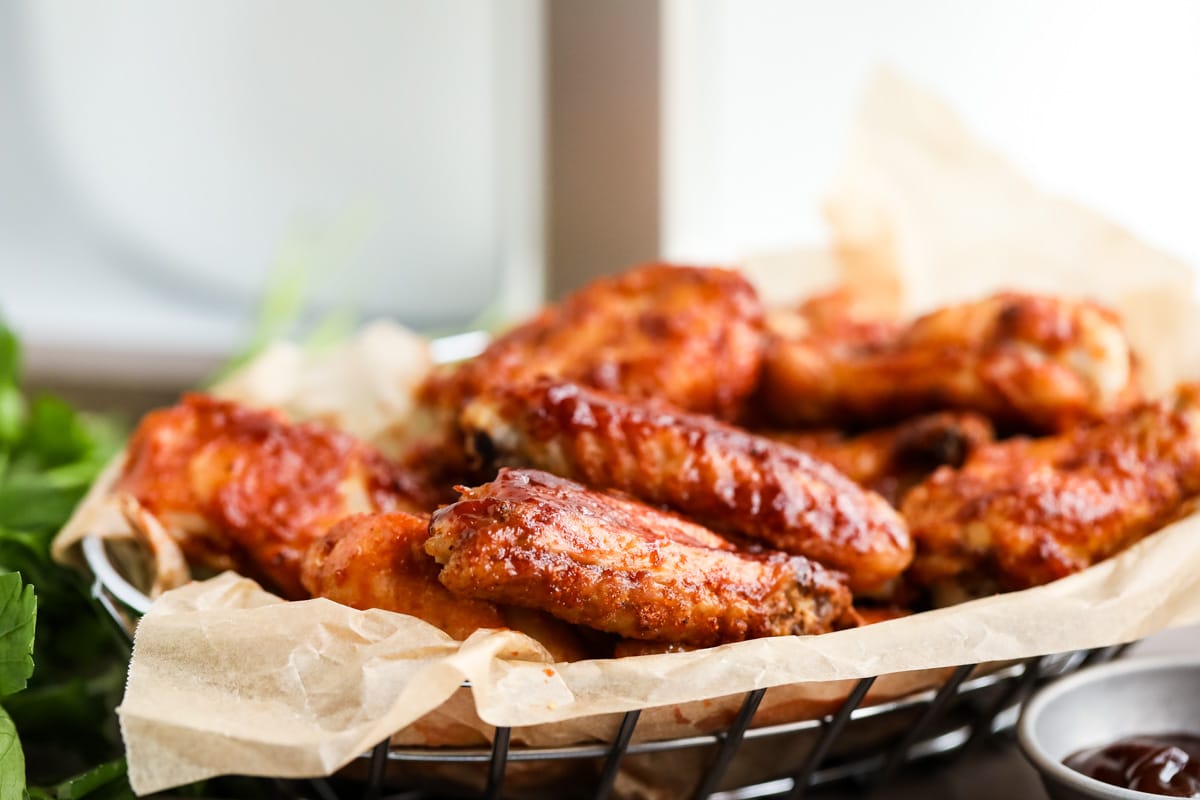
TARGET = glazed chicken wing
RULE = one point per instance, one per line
(690, 336)
(892, 460)
(535, 540)
(1027, 511)
(839, 316)
(379, 561)
(1034, 362)
(728, 478)
(244, 489)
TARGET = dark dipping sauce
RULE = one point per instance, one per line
(1166, 764)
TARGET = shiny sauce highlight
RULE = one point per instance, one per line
(1167, 764)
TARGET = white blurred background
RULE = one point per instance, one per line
(446, 162)
(1094, 100)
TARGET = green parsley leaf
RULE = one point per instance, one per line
(18, 616)
(55, 432)
(12, 760)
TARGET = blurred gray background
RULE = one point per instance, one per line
(452, 164)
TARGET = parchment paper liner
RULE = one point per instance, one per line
(226, 678)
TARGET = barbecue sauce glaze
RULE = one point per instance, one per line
(1166, 764)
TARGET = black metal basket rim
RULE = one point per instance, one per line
(95, 555)
(1065, 663)
(526, 753)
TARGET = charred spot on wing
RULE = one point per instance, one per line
(1008, 319)
(944, 446)
(481, 448)
(941, 441)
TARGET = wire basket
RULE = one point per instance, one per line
(867, 743)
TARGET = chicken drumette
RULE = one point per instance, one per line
(379, 561)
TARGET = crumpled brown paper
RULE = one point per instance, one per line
(226, 678)
(924, 214)
(366, 388)
(229, 679)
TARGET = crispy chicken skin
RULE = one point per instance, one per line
(724, 476)
(536, 540)
(379, 561)
(892, 460)
(1027, 511)
(690, 336)
(840, 315)
(1033, 362)
(244, 489)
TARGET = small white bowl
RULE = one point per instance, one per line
(1100, 705)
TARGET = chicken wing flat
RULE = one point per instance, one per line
(536, 540)
(892, 460)
(1028, 361)
(1025, 511)
(688, 335)
(724, 476)
(243, 489)
(379, 561)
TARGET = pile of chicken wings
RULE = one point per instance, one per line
(656, 463)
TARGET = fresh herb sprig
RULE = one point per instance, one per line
(58, 688)
(49, 455)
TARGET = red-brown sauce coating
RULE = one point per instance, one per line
(1030, 511)
(722, 475)
(257, 489)
(1029, 362)
(691, 336)
(533, 539)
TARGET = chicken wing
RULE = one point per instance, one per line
(690, 336)
(892, 460)
(243, 489)
(379, 561)
(840, 315)
(1034, 362)
(724, 476)
(532, 539)
(1027, 511)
